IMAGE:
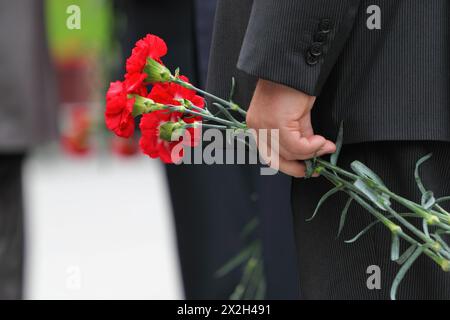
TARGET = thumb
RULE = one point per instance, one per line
(305, 126)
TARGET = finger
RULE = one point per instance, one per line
(327, 148)
(302, 146)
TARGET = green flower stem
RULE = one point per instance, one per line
(405, 202)
(430, 244)
(389, 225)
(231, 105)
(442, 211)
(203, 111)
(419, 210)
(428, 241)
(228, 123)
(337, 169)
(206, 125)
(353, 192)
(227, 113)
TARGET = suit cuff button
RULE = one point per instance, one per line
(325, 25)
(316, 49)
(310, 59)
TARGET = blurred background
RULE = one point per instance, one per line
(83, 215)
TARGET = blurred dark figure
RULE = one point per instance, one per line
(26, 119)
(212, 204)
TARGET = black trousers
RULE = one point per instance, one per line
(332, 269)
(212, 205)
(11, 227)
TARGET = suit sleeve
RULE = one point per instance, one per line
(296, 42)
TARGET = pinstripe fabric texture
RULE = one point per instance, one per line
(279, 33)
(393, 83)
(332, 269)
(389, 86)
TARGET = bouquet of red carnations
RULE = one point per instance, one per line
(172, 115)
(172, 112)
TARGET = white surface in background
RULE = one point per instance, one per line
(99, 229)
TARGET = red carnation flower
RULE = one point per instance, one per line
(149, 47)
(151, 142)
(169, 93)
(135, 84)
(119, 108)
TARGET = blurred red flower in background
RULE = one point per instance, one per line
(77, 140)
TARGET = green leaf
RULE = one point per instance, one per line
(254, 282)
(359, 235)
(405, 267)
(439, 232)
(244, 284)
(261, 291)
(322, 200)
(344, 216)
(406, 254)
(428, 200)
(364, 172)
(335, 156)
(416, 172)
(395, 247)
(443, 199)
(379, 201)
(425, 227)
(236, 261)
(250, 227)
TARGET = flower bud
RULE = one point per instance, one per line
(432, 220)
(144, 105)
(445, 265)
(395, 229)
(436, 246)
(156, 72)
(234, 106)
(170, 131)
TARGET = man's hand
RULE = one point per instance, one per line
(275, 106)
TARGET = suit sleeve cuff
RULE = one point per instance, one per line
(296, 42)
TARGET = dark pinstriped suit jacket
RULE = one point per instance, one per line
(391, 83)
